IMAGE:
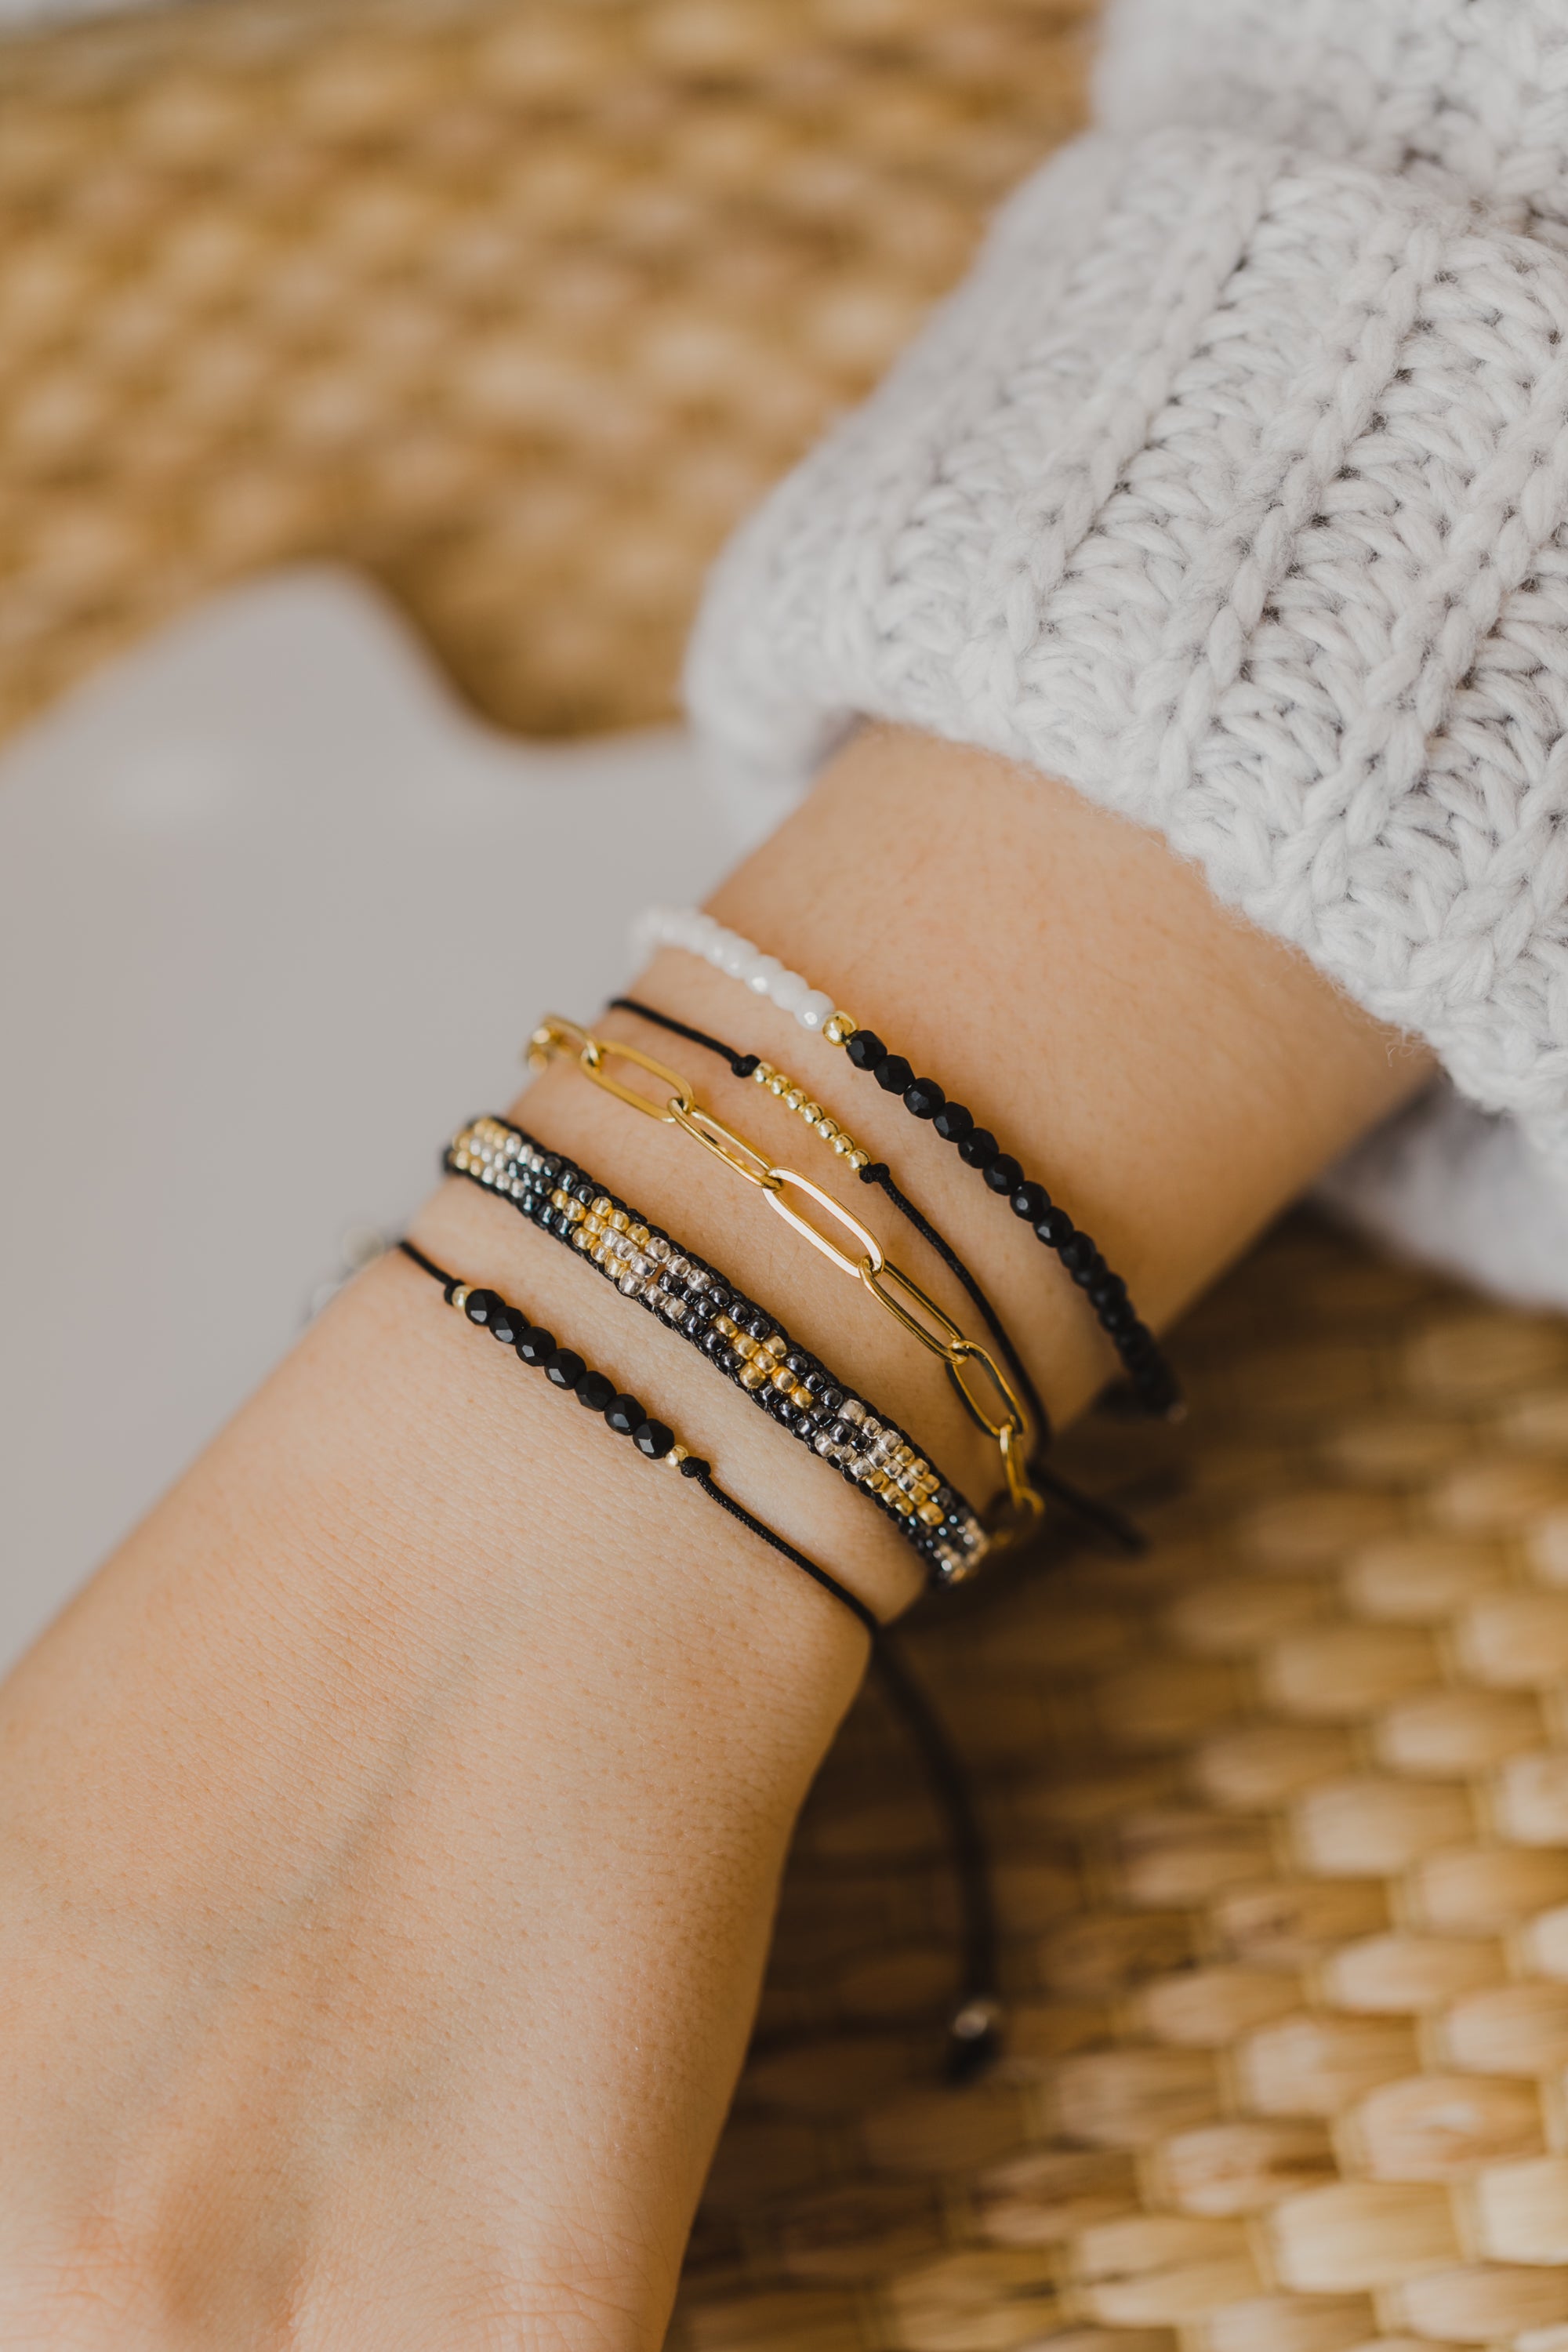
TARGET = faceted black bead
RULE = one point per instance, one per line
(480, 1304)
(565, 1367)
(1029, 1200)
(622, 1415)
(1118, 1315)
(1136, 1343)
(952, 1122)
(652, 1438)
(535, 1345)
(595, 1391)
(830, 1399)
(893, 1074)
(1105, 1290)
(925, 1098)
(1054, 1228)
(1078, 1254)
(1084, 1275)
(978, 1148)
(1004, 1174)
(506, 1323)
(865, 1048)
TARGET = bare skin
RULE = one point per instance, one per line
(389, 1834)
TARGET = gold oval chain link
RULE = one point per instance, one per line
(870, 1267)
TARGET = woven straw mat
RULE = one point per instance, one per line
(517, 306)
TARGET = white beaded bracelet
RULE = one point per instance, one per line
(727, 951)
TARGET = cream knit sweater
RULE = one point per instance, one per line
(1233, 489)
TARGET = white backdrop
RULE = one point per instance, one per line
(263, 887)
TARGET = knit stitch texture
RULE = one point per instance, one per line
(1232, 488)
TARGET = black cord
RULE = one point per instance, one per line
(1103, 1517)
(975, 2028)
(741, 1063)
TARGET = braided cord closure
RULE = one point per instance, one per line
(751, 1347)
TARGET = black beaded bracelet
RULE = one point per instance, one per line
(1147, 1366)
(974, 2026)
(743, 1340)
(564, 1369)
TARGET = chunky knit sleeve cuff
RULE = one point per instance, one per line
(1232, 488)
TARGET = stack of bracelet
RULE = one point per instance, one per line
(1147, 1371)
(755, 1352)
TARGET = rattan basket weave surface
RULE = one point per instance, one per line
(1280, 1814)
(516, 303)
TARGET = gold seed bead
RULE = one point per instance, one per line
(793, 1099)
(745, 1344)
(460, 1294)
(801, 1397)
(841, 1144)
(601, 1207)
(811, 1112)
(827, 1128)
(575, 1212)
(777, 1082)
(753, 1376)
(901, 1503)
(761, 1073)
(675, 1456)
(581, 1238)
(783, 1380)
(839, 1029)
(619, 1219)
(929, 1514)
(637, 1235)
(773, 1343)
(558, 1199)
(722, 1323)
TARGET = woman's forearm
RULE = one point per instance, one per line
(389, 1833)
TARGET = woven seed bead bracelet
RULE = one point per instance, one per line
(751, 1347)
(1147, 1368)
(975, 2022)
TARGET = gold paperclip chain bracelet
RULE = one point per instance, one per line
(1003, 1416)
